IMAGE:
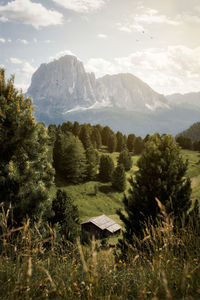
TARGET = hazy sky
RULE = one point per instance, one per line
(156, 40)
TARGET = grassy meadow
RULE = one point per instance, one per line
(95, 198)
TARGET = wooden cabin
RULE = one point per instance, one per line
(101, 227)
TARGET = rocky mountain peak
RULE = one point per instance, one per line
(64, 85)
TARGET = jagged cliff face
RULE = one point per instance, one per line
(64, 85)
(128, 92)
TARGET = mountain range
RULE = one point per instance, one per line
(62, 90)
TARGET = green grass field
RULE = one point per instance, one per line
(95, 198)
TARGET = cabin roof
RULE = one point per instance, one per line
(104, 222)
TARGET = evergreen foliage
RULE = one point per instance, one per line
(106, 168)
(84, 136)
(26, 173)
(52, 134)
(130, 142)
(121, 143)
(138, 145)
(69, 157)
(112, 143)
(192, 133)
(184, 142)
(119, 178)
(76, 128)
(105, 134)
(92, 157)
(161, 175)
(196, 146)
(66, 216)
(96, 138)
(125, 159)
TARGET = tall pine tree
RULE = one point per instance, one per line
(119, 178)
(106, 168)
(26, 173)
(162, 175)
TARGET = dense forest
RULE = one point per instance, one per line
(43, 252)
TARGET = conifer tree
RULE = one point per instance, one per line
(26, 173)
(162, 175)
(96, 138)
(138, 145)
(125, 159)
(65, 214)
(69, 157)
(106, 168)
(84, 136)
(76, 128)
(105, 134)
(121, 143)
(119, 178)
(92, 157)
(112, 143)
(130, 142)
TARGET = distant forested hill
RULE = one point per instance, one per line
(193, 132)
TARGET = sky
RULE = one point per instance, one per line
(155, 40)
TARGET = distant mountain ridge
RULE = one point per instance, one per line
(193, 132)
(189, 99)
(62, 90)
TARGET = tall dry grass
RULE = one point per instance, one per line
(36, 264)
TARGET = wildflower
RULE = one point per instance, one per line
(160, 256)
(188, 276)
(83, 283)
(11, 166)
(18, 108)
(120, 261)
(27, 165)
(124, 265)
(195, 259)
(175, 258)
(75, 284)
(87, 288)
(91, 280)
(60, 292)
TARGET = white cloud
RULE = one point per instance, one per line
(48, 41)
(28, 12)
(151, 16)
(174, 69)
(81, 6)
(60, 54)
(188, 18)
(25, 73)
(25, 42)
(2, 66)
(144, 16)
(170, 70)
(2, 40)
(102, 36)
(15, 60)
(9, 41)
(28, 69)
(100, 67)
